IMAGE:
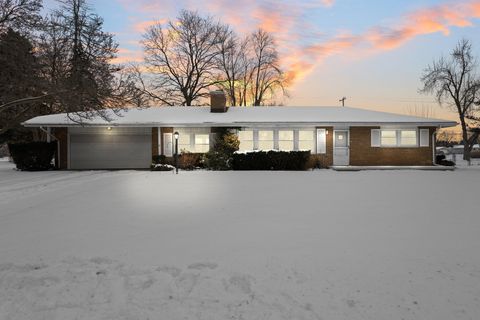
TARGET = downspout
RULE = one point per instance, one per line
(434, 151)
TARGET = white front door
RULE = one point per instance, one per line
(168, 144)
(341, 145)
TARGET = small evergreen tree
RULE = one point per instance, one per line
(220, 157)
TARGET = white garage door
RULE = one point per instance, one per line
(118, 148)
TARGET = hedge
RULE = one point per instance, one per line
(271, 160)
(33, 156)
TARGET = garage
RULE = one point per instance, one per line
(110, 148)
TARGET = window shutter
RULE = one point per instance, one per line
(424, 137)
(321, 141)
(375, 137)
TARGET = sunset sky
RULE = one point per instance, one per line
(373, 52)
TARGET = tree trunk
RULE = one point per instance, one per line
(466, 147)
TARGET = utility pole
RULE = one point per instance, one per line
(343, 101)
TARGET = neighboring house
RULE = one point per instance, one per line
(338, 136)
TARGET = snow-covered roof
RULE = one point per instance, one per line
(242, 116)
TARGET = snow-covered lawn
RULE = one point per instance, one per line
(239, 245)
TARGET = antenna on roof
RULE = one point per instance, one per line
(343, 101)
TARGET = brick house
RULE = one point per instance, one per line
(336, 136)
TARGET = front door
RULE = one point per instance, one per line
(341, 154)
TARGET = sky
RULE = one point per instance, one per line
(372, 52)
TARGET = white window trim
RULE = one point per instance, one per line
(427, 141)
(398, 138)
(276, 136)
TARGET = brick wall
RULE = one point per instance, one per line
(61, 157)
(325, 160)
(363, 154)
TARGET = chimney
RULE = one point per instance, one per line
(218, 101)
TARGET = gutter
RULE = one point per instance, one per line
(250, 124)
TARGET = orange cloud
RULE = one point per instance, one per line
(425, 21)
(143, 25)
(327, 3)
(301, 47)
(127, 56)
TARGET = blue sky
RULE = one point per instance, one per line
(373, 52)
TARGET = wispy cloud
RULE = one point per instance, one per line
(441, 18)
(303, 47)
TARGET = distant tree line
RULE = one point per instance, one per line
(62, 62)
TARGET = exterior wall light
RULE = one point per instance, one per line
(176, 151)
(109, 128)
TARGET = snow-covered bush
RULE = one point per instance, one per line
(162, 167)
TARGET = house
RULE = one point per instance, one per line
(337, 136)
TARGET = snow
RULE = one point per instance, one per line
(243, 116)
(239, 245)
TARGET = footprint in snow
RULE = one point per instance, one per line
(203, 265)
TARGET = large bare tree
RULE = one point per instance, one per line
(235, 68)
(267, 76)
(78, 77)
(455, 83)
(19, 14)
(181, 58)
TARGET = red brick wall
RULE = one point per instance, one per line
(325, 160)
(363, 154)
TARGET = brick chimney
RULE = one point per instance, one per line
(218, 101)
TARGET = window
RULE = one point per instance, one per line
(285, 140)
(321, 141)
(265, 140)
(246, 140)
(202, 143)
(389, 138)
(184, 142)
(394, 138)
(195, 140)
(424, 137)
(408, 137)
(305, 140)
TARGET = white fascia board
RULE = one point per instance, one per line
(251, 124)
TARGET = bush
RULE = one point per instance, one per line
(190, 161)
(440, 159)
(33, 156)
(162, 167)
(220, 158)
(159, 159)
(271, 160)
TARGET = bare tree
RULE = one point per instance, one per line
(455, 83)
(19, 14)
(181, 58)
(235, 68)
(78, 76)
(267, 76)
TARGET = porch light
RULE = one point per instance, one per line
(109, 128)
(176, 151)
